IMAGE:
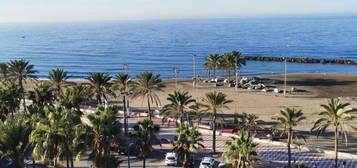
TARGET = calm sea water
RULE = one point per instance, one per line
(159, 46)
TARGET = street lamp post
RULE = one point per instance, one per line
(125, 68)
(125, 110)
(194, 69)
(175, 74)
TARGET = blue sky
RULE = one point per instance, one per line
(105, 10)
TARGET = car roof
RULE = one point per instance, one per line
(171, 154)
(207, 159)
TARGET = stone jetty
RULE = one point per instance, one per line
(301, 60)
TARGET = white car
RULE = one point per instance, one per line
(171, 159)
(223, 165)
(206, 162)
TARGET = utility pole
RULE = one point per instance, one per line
(285, 76)
(175, 73)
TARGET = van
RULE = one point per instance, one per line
(171, 159)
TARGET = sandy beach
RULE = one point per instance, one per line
(317, 89)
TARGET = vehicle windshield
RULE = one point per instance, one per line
(206, 164)
(170, 158)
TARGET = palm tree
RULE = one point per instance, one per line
(46, 136)
(73, 97)
(337, 115)
(41, 95)
(180, 103)
(14, 141)
(240, 150)
(188, 140)
(100, 135)
(145, 85)
(239, 60)
(214, 102)
(288, 118)
(69, 123)
(100, 85)
(145, 136)
(10, 98)
(58, 78)
(121, 82)
(212, 62)
(4, 70)
(209, 69)
(230, 60)
(20, 70)
(248, 123)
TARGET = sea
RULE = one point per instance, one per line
(162, 45)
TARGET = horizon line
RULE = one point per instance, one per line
(271, 16)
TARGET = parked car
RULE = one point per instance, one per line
(224, 165)
(171, 159)
(207, 162)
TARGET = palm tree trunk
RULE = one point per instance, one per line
(181, 119)
(289, 149)
(209, 74)
(144, 162)
(67, 161)
(22, 94)
(229, 74)
(336, 147)
(72, 162)
(149, 108)
(125, 116)
(214, 131)
(214, 72)
(99, 100)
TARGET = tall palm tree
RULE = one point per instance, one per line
(209, 68)
(188, 140)
(102, 132)
(214, 102)
(69, 123)
(122, 82)
(180, 103)
(14, 141)
(227, 63)
(73, 97)
(337, 115)
(230, 60)
(100, 85)
(213, 61)
(241, 150)
(248, 123)
(58, 78)
(10, 98)
(288, 118)
(20, 70)
(4, 70)
(41, 95)
(239, 61)
(145, 137)
(145, 85)
(46, 136)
